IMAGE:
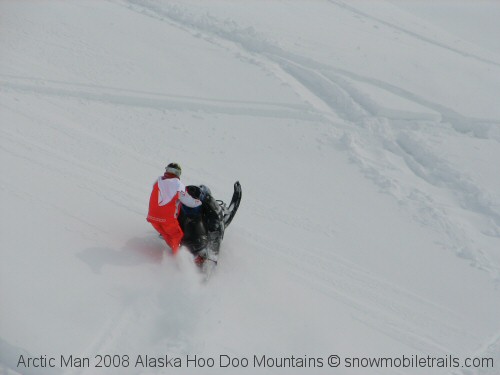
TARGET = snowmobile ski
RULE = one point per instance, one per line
(230, 211)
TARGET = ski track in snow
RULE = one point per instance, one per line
(425, 39)
(365, 127)
(157, 101)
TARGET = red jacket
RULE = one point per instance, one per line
(163, 213)
(165, 199)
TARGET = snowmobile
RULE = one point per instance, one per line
(204, 226)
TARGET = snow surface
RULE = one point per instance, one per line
(366, 136)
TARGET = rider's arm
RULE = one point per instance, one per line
(188, 200)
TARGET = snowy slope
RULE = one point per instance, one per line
(366, 136)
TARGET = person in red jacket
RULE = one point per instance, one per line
(164, 204)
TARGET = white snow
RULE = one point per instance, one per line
(366, 136)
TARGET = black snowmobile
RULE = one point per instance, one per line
(204, 226)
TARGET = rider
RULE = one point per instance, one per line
(168, 192)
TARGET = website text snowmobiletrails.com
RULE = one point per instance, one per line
(114, 361)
